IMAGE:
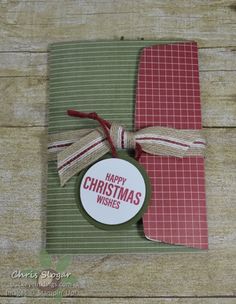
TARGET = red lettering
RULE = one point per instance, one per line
(108, 176)
(130, 197)
(117, 187)
(100, 186)
(109, 190)
(105, 188)
(100, 199)
(109, 202)
(122, 194)
(137, 196)
(93, 184)
(87, 179)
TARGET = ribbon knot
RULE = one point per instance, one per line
(121, 138)
(75, 150)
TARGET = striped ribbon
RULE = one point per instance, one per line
(75, 150)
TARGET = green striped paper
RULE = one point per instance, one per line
(100, 77)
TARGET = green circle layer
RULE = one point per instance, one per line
(122, 155)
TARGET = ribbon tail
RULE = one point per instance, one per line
(60, 141)
(171, 142)
(81, 154)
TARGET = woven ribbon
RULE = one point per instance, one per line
(75, 150)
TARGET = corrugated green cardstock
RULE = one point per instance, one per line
(91, 77)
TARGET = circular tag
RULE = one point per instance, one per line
(113, 192)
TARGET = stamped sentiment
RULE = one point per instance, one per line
(113, 191)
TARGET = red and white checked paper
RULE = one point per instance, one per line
(168, 95)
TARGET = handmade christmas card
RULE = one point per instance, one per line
(125, 148)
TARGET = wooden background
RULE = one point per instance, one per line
(26, 28)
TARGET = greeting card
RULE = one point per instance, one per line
(100, 199)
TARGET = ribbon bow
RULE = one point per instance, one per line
(75, 150)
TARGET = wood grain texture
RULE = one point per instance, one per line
(23, 101)
(22, 212)
(31, 25)
(205, 274)
(118, 301)
(27, 27)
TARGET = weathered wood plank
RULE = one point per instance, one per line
(217, 59)
(24, 100)
(205, 274)
(23, 64)
(119, 301)
(22, 198)
(31, 25)
(218, 98)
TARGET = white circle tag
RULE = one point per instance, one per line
(113, 192)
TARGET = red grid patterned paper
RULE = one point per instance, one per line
(168, 95)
